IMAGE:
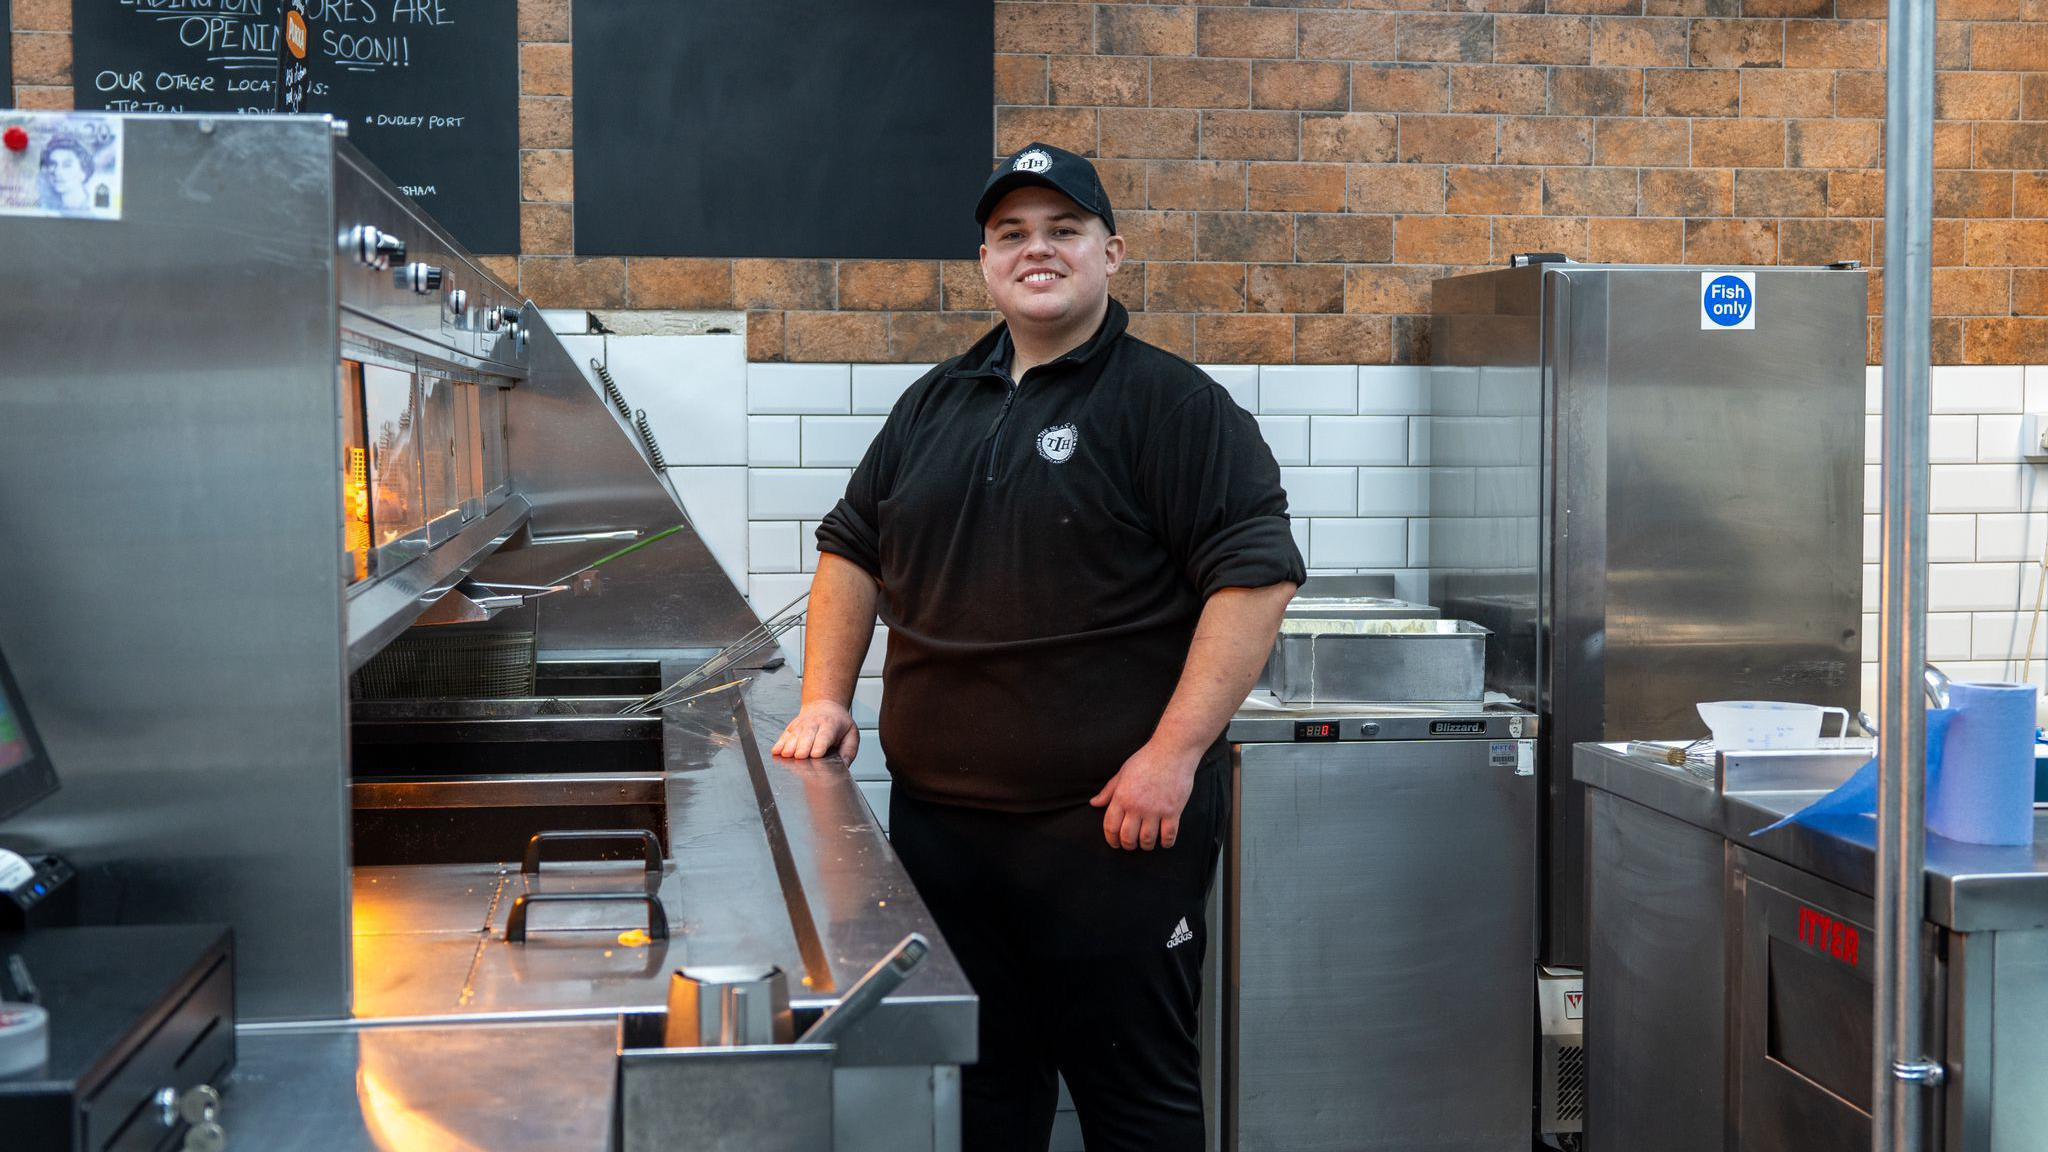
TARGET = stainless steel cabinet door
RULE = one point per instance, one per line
(1382, 947)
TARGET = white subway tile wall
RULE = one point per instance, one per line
(838, 441)
(1240, 380)
(716, 499)
(1355, 542)
(876, 386)
(1321, 491)
(1356, 440)
(772, 546)
(1309, 390)
(1393, 391)
(683, 384)
(1287, 436)
(1354, 445)
(794, 493)
(775, 441)
(1986, 530)
(801, 389)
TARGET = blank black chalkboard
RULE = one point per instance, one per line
(809, 128)
(430, 88)
(6, 55)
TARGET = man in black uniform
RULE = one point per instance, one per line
(1080, 546)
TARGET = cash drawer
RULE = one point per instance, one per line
(134, 1010)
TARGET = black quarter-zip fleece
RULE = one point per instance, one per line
(1044, 549)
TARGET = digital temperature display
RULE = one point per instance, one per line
(1315, 729)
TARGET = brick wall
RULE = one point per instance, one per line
(1291, 178)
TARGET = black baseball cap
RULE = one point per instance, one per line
(1055, 168)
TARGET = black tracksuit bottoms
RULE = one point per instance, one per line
(1087, 960)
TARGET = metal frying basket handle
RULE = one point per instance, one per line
(650, 846)
(515, 926)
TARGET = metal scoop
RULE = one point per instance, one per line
(885, 977)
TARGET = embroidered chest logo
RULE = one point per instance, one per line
(1058, 443)
(1032, 161)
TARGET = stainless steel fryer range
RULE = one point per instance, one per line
(318, 432)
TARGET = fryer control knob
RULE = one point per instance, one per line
(421, 278)
(458, 302)
(374, 247)
(498, 318)
(1368, 729)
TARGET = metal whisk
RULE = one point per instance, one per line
(754, 640)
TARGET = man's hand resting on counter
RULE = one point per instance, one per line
(840, 622)
(821, 728)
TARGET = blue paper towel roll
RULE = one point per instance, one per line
(1985, 791)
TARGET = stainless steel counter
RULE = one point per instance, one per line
(1970, 887)
(772, 861)
(441, 1088)
(1729, 984)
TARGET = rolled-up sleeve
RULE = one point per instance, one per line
(1214, 491)
(852, 529)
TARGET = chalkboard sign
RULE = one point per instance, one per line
(430, 88)
(6, 55)
(809, 128)
(174, 55)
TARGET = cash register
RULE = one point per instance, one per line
(111, 1036)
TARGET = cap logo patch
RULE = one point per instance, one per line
(1057, 443)
(1032, 161)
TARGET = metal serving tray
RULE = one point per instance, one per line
(1356, 608)
(1361, 661)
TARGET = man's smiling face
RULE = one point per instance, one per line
(1047, 262)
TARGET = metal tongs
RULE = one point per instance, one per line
(754, 640)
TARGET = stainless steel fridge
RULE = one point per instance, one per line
(1648, 483)
(1369, 985)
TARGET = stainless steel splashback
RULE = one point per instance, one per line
(591, 477)
(1647, 514)
(175, 595)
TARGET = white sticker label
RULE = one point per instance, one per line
(1525, 758)
(1727, 301)
(60, 164)
(1575, 1005)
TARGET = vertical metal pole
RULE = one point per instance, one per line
(1899, 1068)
